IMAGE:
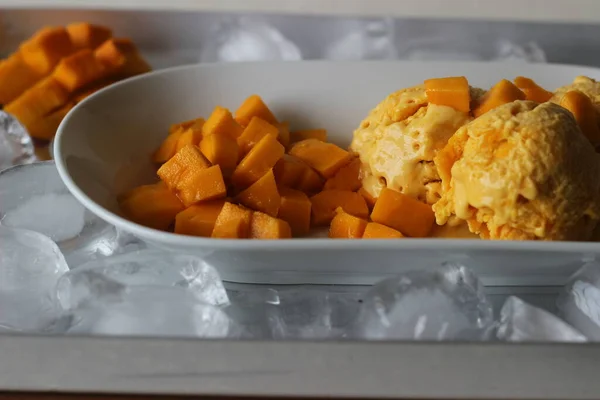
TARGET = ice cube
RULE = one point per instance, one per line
(579, 302)
(522, 322)
(34, 197)
(110, 277)
(153, 311)
(254, 308)
(314, 314)
(247, 38)
(16, 146)
(65, 221)
(30, 266)
(443, 304)
(370, 39)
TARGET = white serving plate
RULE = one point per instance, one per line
(103, 148)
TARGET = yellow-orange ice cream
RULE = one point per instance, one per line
(398, 140)
(521, 171)
(585, 85)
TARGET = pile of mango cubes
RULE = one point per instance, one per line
(247, 176)
(59, 67)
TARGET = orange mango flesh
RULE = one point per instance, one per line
(295, 209)
(201, 185)
(501, 93)
(221, 122)
(288, 170)
(319, 134)
(191, 177)
(379, 231)
(196, 122)
(346, 226)
(79, 70)
(121, 57)
(151, 205)
(38, 101)
(88, 36)
(584, 112)
(325, 158)
(532, 90)
(452, 92)
(254, 131)
(222, 150)
(167, 148)
(259, 160)
(264, 226)
(369, 198)
(46, 48)
(284, 133)
(45, 127)
(262, 195)
(253, 106)
(310, 181)
(326, 202)
(199, 220)
(191, 135)
(347, 178)
(233, 222)
(403, 213)
(16, 77)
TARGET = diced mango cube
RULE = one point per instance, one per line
(347, 177)
(121, 57)
(259, 160)
(257, 129)
(379, 231)
(202, 185)
(284, 133)
(369, 198)
(221, 122)
(45, 127)
(501, 93)
(532, 90)
(16, 77)
(197, 122)
(310, 182)
(38, 101)
(199, 220)
(295, 208)
(264, 226)
(191, 135)
(233, 222)
(262, 195)
(191, 177)
(288, 171)
(584, 112)
(78, 70)
(253, 106)
(325, 203)
(403, 213)
(319, 134)
(346, 226)
(154, 206)
(46, 48)
(220, 150)
(451, 91)
(88, 36)
(168, 147)
(325, 158)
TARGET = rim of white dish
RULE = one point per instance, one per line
(201, 243)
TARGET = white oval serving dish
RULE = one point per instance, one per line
(103, 148)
